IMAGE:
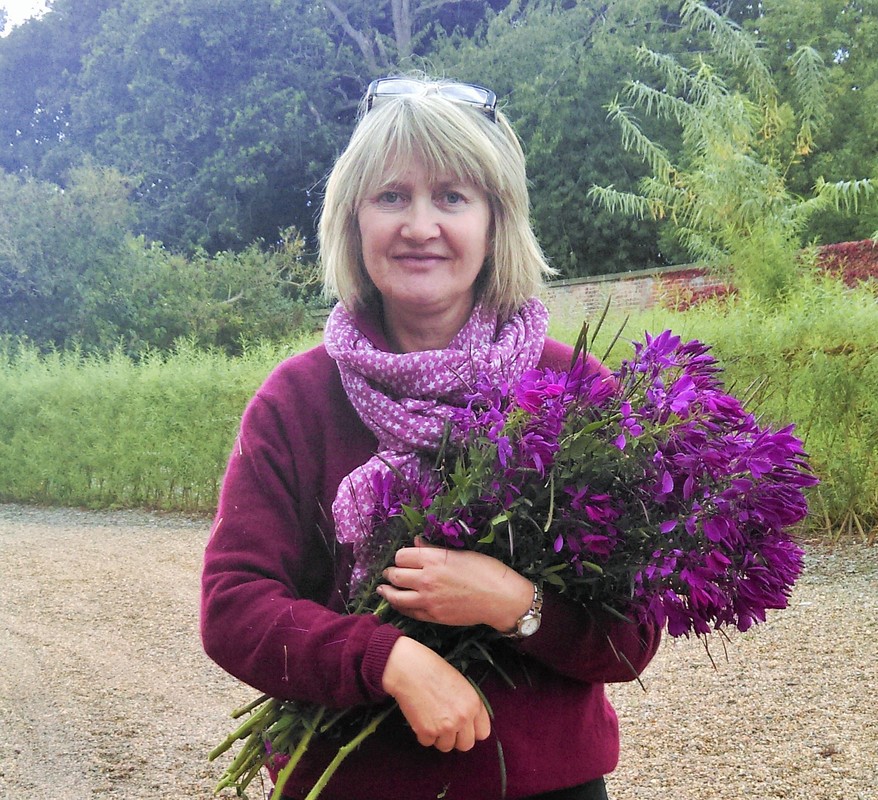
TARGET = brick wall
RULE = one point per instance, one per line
(573, 300)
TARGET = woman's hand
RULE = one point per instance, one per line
(456, 587)
(439, 703)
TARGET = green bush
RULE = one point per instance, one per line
(216, 301)
(109, 431)
(73, 275)
(106, 431)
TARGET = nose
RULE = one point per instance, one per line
(421, 222)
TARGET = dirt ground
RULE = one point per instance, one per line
(105, 692)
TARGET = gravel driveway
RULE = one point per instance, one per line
(105, 693)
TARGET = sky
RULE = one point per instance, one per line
(18, 11)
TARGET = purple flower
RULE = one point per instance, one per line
(652, 489)
(539, 388)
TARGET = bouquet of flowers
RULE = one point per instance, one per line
(650, 491)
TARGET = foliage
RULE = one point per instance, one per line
(60, 253)
(223, 111)
(727, 196)
(218, 301)
(39, 64)
(105, 431)
(70, 273)
(822, 356)
(845, 35)
(225, 117)
(387, 33)
(817, 355)
(852, 262)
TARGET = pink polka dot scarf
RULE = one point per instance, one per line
(406, 398)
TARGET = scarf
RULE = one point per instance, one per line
(405, 399)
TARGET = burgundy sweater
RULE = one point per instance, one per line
(273, 615)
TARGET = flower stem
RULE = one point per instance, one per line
(239, 712)
(343, 753)
(250, 754)
(243, 730)
(296, 756)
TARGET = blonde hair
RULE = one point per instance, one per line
(449, 138)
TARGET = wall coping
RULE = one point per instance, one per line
(622, 276)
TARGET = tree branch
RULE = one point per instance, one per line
(402, 27)
(358, 36)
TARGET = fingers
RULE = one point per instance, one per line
(405, 601)
(454, 587)
(465, 738)
(441, 706)
(421, 555)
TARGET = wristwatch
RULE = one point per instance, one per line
(529, 622)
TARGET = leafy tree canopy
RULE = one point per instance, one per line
(555, 66)
(727, 193)
(845, 35)
(225, 117)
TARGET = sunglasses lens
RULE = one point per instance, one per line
(394, 86)
(465, 93)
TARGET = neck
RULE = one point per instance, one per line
(409, 333)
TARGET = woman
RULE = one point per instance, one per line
(425, 239)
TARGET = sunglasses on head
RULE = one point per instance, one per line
(483, 99)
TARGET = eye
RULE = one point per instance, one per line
(451, 198)
(390, 197)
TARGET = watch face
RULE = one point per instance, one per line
(529, 626)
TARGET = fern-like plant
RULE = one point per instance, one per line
(726, 194)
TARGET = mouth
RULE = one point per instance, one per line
(419, 254)
(418, 259)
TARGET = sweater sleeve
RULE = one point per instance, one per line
(272, 611)
(588, 644)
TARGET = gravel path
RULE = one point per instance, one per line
(105, 693)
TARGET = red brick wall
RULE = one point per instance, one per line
(572, 301)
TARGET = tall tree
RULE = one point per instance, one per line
(554, 67)
(845, 34)
(223, 111)
(388, 33)
(39, 63)
(727, 193)
(60, 251)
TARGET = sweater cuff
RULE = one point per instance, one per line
(375, 660)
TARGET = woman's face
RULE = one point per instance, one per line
(424, 243)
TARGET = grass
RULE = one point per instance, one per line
(108, 432)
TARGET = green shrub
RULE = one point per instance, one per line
(73, 275)
(106, 431)
(113, 432)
